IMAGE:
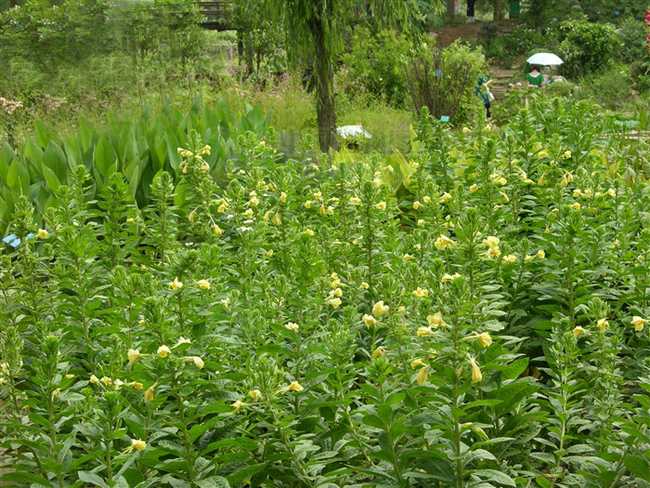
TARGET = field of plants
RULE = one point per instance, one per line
(472, 315)
(204, 283)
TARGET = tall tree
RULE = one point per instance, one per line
(315, 30)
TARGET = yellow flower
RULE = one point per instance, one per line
(369, 321)
(444, 198)
(435, 320)
(422, 376)
(491, 241)
(542, 154)
(493, 252)
(417, 205)
(484, 339)
(138, 445)
(420, 292)
(248, 214)
(292, 326)
(473, 188)
(283, 197)
(477, 376)
(443, 242)
(237, 405)
(467, 130)
(567, 154)
(336, 292)
(176, 284)
(379, 352)
(576, 206)
(449, 278)
(150, 393)
(294, 386)
(379, 309)
(566, 179)
(308, 204)
(602, 324)
(198, 362)
(309, 233)
(421, 222)
(164, 351)
(42, 234)
(424, 332)
(203, 284)
(106, 381)
(253, 201)
(498, 179)
(354, 201)
(364, 285)
(216, 230)
(578, 331)
(136, 385)
(416, 363)
(540, 254)
(510, 259)
(638, 323)
(407, 257)
(94, 380)
(577, 193)
(255, 395)
(223, 206)
(611, 193)
(426, 199)
(381, 206)
(133, 355)
(334, 302)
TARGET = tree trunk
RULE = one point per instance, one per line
(499, 10)
(325, 105)
(451, 8)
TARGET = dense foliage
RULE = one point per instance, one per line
(586, 47)
(472, 315)
(138, 148)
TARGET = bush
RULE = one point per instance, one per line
(376, 64)
(444, 81)
(587, 47)
(522, 41)
(640, 72)
(632, 33)
(611, 88)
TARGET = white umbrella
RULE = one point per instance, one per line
(353, 131)
(545, 59)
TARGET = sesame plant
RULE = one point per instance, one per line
(470, 314)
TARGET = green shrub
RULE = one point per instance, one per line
(137, 147)
(587, 47)
(611, 88)
(376, 64)
(444, 81)
(640, 71)
(632, 33)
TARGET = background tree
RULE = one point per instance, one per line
(315, 30)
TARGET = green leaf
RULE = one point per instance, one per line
(213, 482)
(92, 478)
(104, 158)
(495, 476)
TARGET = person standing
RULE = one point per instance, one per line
(470, 10)
(483, 91)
